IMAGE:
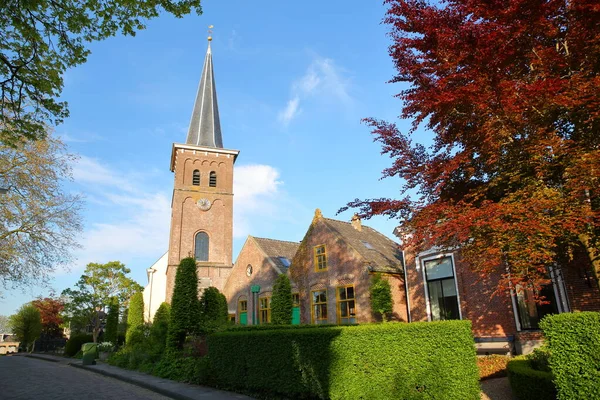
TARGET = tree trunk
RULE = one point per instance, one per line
(593, 254)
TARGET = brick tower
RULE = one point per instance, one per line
(202, 205)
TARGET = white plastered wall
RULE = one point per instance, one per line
(156, 290)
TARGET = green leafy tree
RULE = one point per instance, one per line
(86, 303)
(40, 40)
(50, 310)
(213, 310)
(112, 321)
(26, 325)
(160, 327)
(4, 324)
(185, 307)
(381, 296)
(39, 220)
(282, 302)
(135, 317)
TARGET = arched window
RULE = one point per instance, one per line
(196, 178)
(213, 179)
(201, 248)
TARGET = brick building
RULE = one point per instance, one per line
(332, 267)
(332, 271)
(259, 263)
(441, 286)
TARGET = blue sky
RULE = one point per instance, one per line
(293, 80)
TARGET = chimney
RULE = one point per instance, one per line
(355, 221)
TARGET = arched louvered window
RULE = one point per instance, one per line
(201, 248)
(213, 179)
(196, 178)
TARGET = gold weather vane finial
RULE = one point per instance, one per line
(210, 28)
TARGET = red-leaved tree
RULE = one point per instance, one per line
(50, 311)
(511, 91)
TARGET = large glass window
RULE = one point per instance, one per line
(320, 258)
(319, 306)
(201, 250)
(264, 310)
(531, 312)
(346, 305)
(441, 287)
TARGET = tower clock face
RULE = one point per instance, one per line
(204, 204)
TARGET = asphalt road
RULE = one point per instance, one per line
(27, 378)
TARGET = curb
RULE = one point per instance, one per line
(133, 381)
(41, 358)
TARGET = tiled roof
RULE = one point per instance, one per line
(382, 253)
(274, 249)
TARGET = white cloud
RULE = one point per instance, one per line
(130, 220)
(257, 196)
(128, 216)
(145, 232)
(323, 78)
(290, 112)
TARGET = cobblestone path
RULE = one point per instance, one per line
(26, 378)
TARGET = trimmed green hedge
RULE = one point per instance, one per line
(528, 383)
(434, 360)
(73, 345)
(574, 343)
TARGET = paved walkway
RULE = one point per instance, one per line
(496, 389)
(105, 375)
(25, 378)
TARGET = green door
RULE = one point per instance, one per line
(296, 316)
(244, 318)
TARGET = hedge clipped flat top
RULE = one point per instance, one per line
(574, 343)
(433, 360)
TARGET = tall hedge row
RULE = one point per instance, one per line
(574, 343)
(404, 361)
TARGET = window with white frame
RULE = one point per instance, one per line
(530, 311)
(441, 288)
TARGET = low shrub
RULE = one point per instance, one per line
(73, 345)
(528, 383)
(540, 359)
(379, 361)
(195, 370)
(492, 366)
(574, 343)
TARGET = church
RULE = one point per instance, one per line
(332, 267)
(202, 227)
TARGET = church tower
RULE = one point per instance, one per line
(202, 205)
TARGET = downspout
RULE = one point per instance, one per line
(406, 288)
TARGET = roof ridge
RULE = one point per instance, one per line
(275, 240)
(364, 226)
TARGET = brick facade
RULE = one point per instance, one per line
(238, 285)
(187, 219)
(345, 266)
(493, 316)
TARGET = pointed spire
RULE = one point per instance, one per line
(205, 126)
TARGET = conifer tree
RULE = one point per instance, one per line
(135, 317)
(112, 321)
(160, 326)
(281, 302)
(213, 310)
(381, 296)
(185, 307)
